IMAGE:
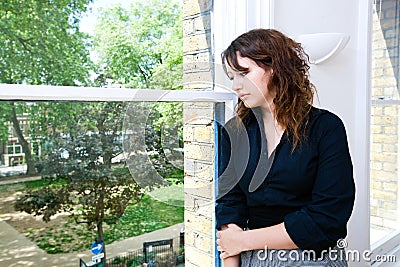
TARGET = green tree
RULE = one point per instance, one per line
(41, 44)
(169, 73)
(132, 43)
(80, 157)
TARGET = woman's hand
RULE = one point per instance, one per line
(230, 241)
(233, 261)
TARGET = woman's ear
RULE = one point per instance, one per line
(269, 72)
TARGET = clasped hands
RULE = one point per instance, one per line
(230, 241)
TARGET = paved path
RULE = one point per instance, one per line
(10, 175)
(16, 250)
(19, 180)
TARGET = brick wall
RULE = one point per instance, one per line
(198, 135)
(385, 181)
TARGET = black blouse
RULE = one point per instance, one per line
(311, 188)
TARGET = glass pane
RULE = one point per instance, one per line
(18, 149)
(79, 168)
(90, 159)
(35, 148)
(385, 122)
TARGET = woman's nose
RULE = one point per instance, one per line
(237, 83)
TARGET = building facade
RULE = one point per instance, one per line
(11, 153)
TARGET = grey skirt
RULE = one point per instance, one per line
(293, 258)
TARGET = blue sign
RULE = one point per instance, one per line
(97, 248)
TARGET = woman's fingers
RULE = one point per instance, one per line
(223, 255)
(218, 234)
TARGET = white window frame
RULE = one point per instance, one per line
(22, 92)
(230, 18)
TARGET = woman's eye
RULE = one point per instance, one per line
(243, 74)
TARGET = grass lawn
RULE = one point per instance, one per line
(144, 217)
(62, 235)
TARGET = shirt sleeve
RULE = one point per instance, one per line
(320, 224)
(230, 200)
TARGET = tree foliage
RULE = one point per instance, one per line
(40, 44)
(137, 43)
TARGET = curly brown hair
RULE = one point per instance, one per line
(294, 93)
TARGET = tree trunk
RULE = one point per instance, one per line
(100, 233)
(25, 145)
(106, 154)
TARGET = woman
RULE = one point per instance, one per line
(286, 188)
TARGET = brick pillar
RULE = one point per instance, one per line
(198, 135)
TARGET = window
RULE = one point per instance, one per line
(17, 149)
(14, 148)
(385, 122)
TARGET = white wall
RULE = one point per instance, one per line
(342, 83)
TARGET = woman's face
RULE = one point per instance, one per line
(252, 85)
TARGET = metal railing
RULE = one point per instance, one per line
(166, 253)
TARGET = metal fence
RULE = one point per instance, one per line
(161, 253)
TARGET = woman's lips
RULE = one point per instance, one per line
(243, 95)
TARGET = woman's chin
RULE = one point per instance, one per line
(248, 105)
